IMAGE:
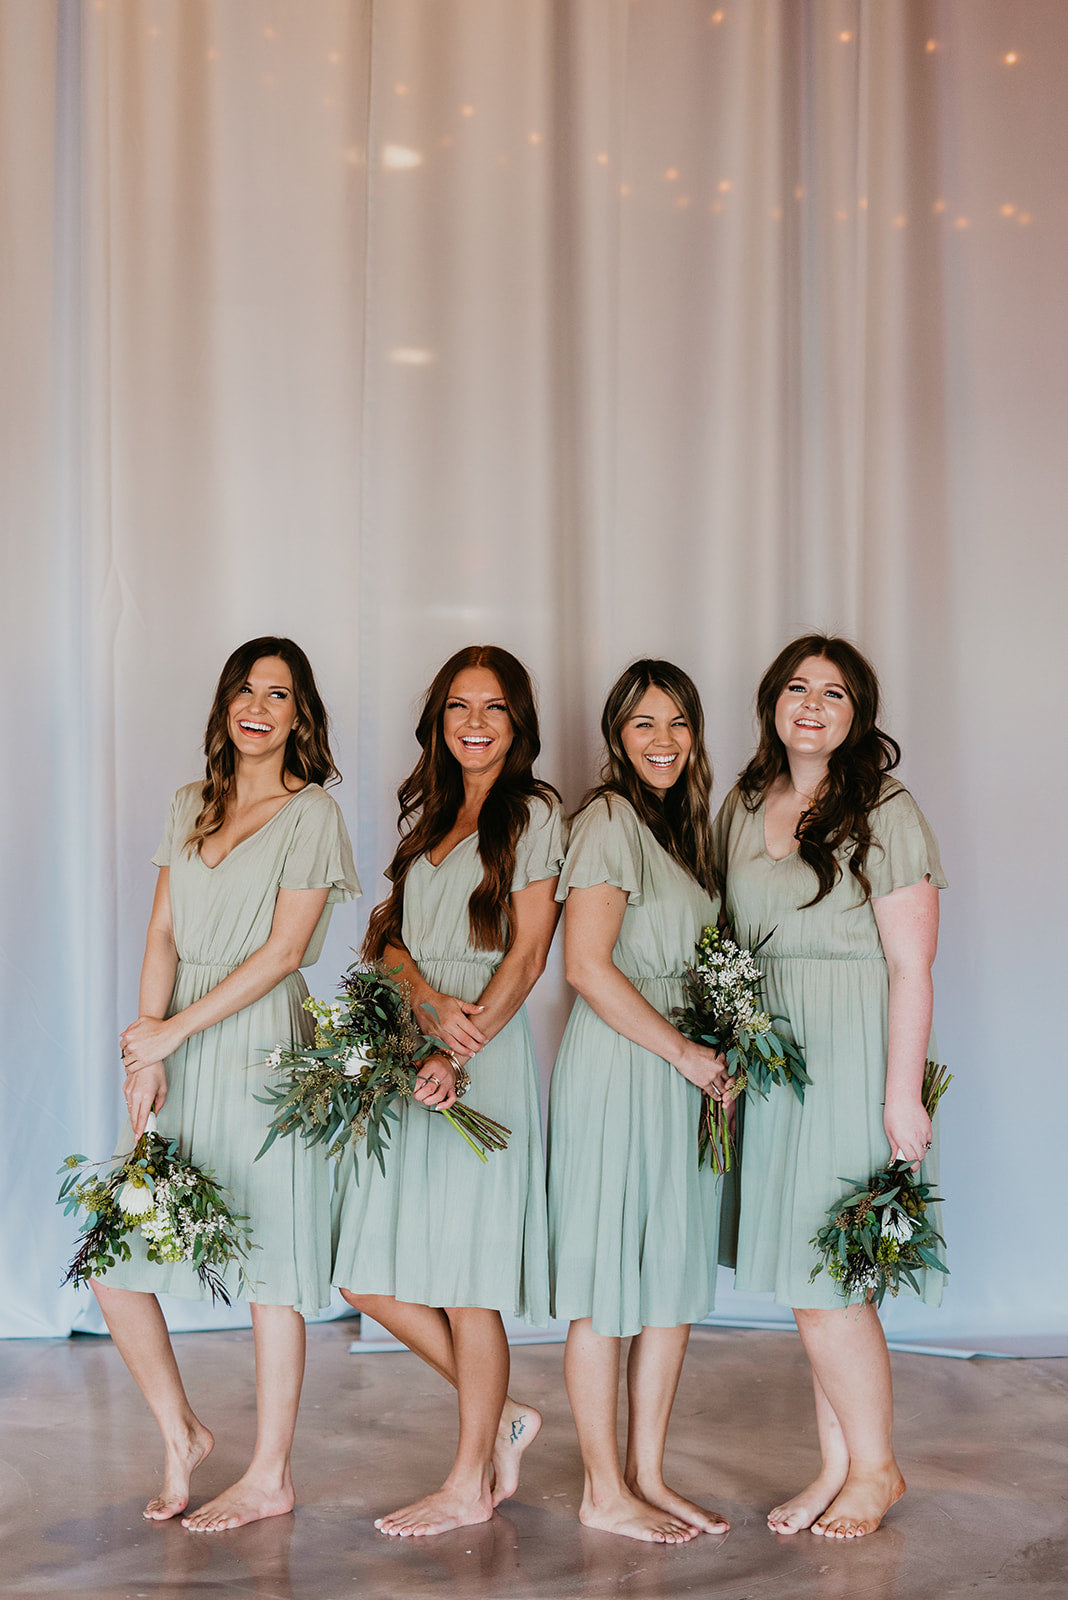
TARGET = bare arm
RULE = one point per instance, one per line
(907, 921)
(594, 918)
(536, 915)
(149, 1040)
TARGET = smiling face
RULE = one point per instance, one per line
(263, 712)
(476, 725)
(656, 739)
(814, 712)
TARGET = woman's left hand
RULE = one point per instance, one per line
(435, 1087)
(908, 1129)
(148, 1040)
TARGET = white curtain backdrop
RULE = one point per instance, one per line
(594, 328)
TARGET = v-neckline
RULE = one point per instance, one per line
(434, 865)
(764, 838)
(249, 836)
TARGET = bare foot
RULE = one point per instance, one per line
(665, 1499)
(178, 1468)
(437, 1513)
(248, 1500)
(802, 1510)
(863, 1503)
(634, 1518)
(519, 1427)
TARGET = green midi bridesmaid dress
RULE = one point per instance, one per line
(439, 1227)
(633, 1220)
(825, 972)
(221, 915)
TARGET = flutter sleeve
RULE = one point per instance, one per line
(319, 854)
(541, 848)
(721, 830)
(903, 849)
(605, 847)
(174, 834)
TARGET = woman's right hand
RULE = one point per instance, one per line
(452, 1024)
(144, 1090)
(704, 1067)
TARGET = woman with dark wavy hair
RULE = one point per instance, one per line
(633, 1220)
(251, 863)
(438, 1245)
(828, 854)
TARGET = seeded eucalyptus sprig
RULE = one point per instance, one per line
(342, 1091)
(880, 1235)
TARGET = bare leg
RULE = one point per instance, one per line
(427, 1332)
(266, 1489)
(653, 1368)
(591, 1372)
(802, 1509)
(848, 1353)
(481, 1352)
(137, 1326)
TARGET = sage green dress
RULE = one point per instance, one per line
(633, 1219)
(825, 972)
(221, 915)
(439, 1228)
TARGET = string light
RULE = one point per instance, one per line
(799, 193)
(671, 175)
(938, 207)
(601, 158)
(775, 213)
(1024, 219)
(1009, 59)
(412, 356)
(624, 190)
(845, 36)
(400, 158)
(401, 89)
(931, 46)
(535, 138)
(269, 33)
(901, 221)
(960, 223)
(841, 216)
(724, 186)
(334, 58)
(1008, 211)
(862, 203)
(467, 111)
(716, 18)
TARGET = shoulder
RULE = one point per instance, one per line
(606, 814)
(542, 810)
(186, 802)
(313, 801)
(732, 806)
(895, 807)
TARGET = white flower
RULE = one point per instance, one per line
(896, 1225)
(135, 1200)
(275, 1057)
(354, 1062)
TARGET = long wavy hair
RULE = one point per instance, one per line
(854, 784)
(679, 818)
(431, 795)
(307, 753)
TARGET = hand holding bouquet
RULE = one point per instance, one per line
(180, 1211)
(368, 1049)
(723, 991)
(880, 1233)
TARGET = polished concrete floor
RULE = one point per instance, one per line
(984, 1446)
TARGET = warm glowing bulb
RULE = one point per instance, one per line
(931, 46)
(411, 356)
(960, 223)
(716, 18)
(399, 158)
(401, 89)
(535, 138)
(334, 58)
(775, 213)
(938, 207)
(1024, 218)
(841, 216)
(269, 33)
(624, 189)
(900, 221)
(1008, 211)
(862, 203)
(1010, 58)
(799, 193)
(672, 175)
(845, 36)
(467, 111)
(601, 158)
(724, 186)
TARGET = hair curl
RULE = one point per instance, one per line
(307, 754)
(853, 787)
(679, 818)
(431, 795)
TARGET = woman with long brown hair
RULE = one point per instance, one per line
(831, 857)
(633, 1219)
(251, 862)
(438, 1245)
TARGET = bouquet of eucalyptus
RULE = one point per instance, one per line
(342, 1090)
(722, 994)
(179, 1210)
(880, 1235)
